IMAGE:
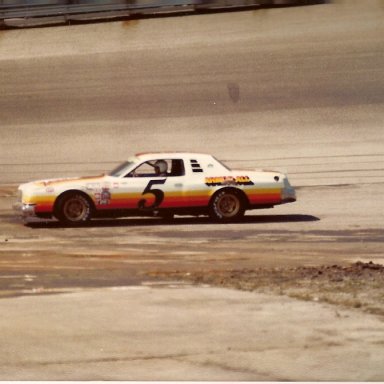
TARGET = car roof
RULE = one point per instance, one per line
(168, 155)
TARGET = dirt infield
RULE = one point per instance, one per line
(358, 285)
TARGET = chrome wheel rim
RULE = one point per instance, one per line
(228, 205)
(75, 209)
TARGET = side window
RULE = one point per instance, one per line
(196, 167)
(159, 168)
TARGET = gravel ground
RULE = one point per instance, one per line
(359, 285)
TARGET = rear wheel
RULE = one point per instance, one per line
(226, 206)
(74, 208)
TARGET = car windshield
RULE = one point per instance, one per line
(122, 168)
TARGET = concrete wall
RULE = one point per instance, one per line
(36, 12)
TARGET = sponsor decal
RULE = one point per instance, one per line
(228, 180)
(93, 186)
(104, 198)
(97, 187)
(49, 189)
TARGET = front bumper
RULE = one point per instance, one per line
(25, 210)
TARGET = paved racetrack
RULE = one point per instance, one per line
(297, 89)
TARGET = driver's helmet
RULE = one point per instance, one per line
(161, 167)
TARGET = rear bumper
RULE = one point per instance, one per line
(288, 193)
(25, 210)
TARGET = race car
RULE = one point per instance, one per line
(157, 184)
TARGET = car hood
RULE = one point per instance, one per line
(61, 181)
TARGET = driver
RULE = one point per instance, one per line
(161, 168)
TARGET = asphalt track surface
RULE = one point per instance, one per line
(294, 89)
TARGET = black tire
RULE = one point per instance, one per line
(74, 208)
(226, 206)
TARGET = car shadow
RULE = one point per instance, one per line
(153, 221)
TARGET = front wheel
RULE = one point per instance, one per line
(226, 206)
(74, 209)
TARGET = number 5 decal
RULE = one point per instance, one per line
(159, 195)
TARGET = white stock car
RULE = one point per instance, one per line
(157, 184)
